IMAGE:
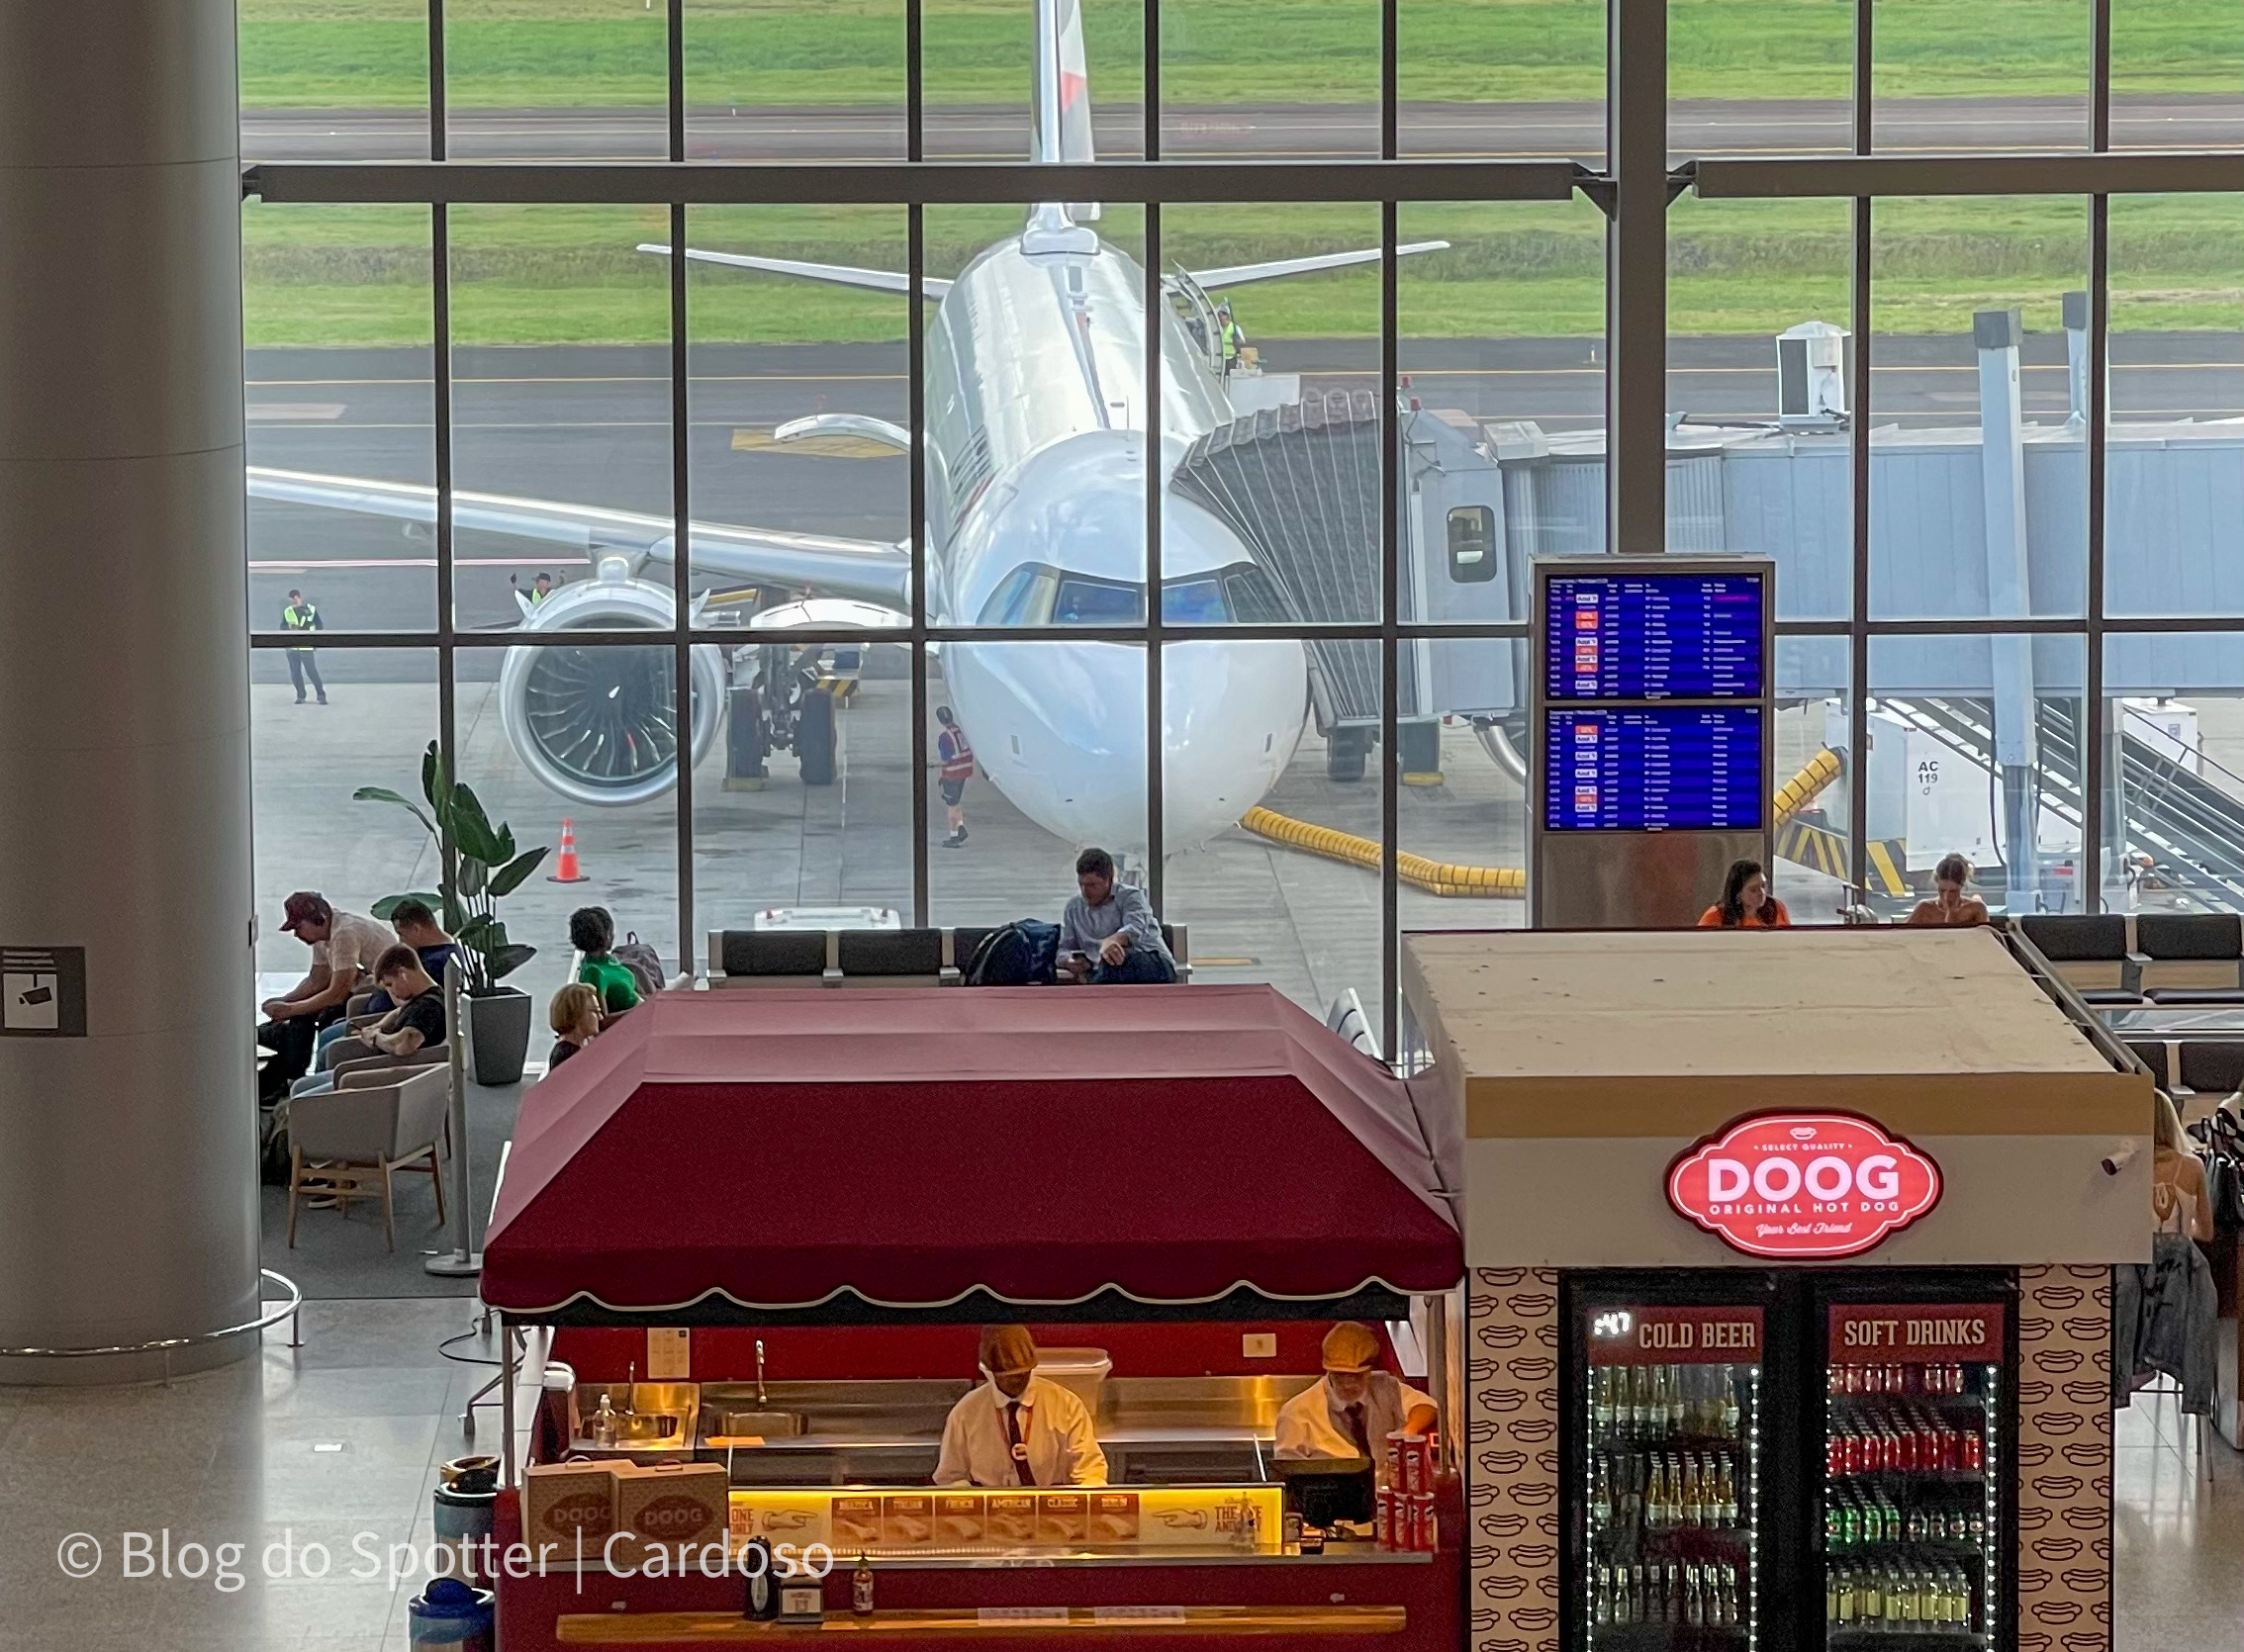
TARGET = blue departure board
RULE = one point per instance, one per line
(1652, 636)
(1653, 769)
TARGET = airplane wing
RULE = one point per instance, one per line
(1238, 275)
(931, 288)
(867, 570)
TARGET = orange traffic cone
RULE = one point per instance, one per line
(565, 868)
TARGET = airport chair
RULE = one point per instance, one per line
(2092, 954)
(888, 957)
(959, 945)
(2192, 958)
(429, 1054)
(341, 1142)
(772, 958)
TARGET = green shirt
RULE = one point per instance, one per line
(619, 988)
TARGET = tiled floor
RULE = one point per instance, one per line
(337, 1443)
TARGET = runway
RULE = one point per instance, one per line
(1244, 131)
(590, 426)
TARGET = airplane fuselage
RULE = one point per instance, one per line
(1036, 490)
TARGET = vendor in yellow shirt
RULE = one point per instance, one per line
(1352, 1410)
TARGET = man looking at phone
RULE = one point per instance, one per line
(1108, 934)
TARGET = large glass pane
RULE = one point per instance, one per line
(1461, 811)
(1057, 733)
(1761, 458)
(560, 413)
(311, 834)
(1291, 894)
(1760, 75)
(582, 738)
(1298, 78)
(1501, 77)
(1035, 414)
(2177, 74)
(1975, 749)
(337, 321)
(1946, 77)
(795, 79)
(2174, 478)
(328, 81)
(1299, 487)
(979, 76)
(2173, 732)
(1978, 478)
(1815, 784)
(556, 79)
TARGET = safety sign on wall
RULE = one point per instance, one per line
(43, 992)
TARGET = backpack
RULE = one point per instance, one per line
(1022, 954)
(644, 963)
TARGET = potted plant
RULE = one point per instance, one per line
(479, 866)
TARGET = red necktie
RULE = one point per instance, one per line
(1357, 1431)
(1013, 1442)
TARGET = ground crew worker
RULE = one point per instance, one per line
(301, 615)
(1233, 337)
(957, 755)
(535, 599)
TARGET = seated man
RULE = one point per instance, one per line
(1109, 933)
(593, 933)
(1353, 1410)
(344, 946)
(417, 1022)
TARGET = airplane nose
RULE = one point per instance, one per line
(1231, 715)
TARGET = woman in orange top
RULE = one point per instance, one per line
(1745, 901)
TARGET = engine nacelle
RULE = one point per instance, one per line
(599, 725)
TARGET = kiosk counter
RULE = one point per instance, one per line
(758, 1235)
(1790, 1296)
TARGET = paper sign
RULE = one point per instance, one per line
(1137, 1615)
(1020, 1614)
(669, 1354)
(43, 992)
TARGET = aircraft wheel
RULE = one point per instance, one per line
(816, 739)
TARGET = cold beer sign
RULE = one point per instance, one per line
(1803, 1185)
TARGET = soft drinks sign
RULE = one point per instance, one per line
(1803, 1185)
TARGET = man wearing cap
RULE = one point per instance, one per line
(1353, 1410)
(344, 946)
(1018, 1428)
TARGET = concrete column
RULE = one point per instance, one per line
(128, 1183)
(2002, 466)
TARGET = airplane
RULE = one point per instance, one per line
(1037, 465)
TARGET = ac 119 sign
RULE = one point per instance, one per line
(1803, 1185)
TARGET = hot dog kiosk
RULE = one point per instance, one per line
(1789, 1316)
(758, 1234)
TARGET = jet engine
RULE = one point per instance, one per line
(600, 725)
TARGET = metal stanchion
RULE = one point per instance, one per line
(465, 1262)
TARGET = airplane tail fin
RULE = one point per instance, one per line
(1062, 93)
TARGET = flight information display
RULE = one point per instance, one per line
(1653, 769)
(1652, 636)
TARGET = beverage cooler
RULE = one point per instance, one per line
(1784, 1461)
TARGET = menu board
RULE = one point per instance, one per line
(1653, 636)
(1653, 769)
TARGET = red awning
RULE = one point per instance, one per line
(910, 1147)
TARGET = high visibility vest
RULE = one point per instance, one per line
(957, 756)
(305, 618)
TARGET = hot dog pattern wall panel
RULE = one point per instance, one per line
(2065, 1459)
(1512, 1482)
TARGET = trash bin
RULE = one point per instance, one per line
(450, 1616)
(466, 1489)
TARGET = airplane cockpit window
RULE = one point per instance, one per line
(1034, 593)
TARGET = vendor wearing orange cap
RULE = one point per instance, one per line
(1352, 1411)
(1018, 1428)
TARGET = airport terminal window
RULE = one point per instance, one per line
(571, 456)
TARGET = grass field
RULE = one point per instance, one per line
(360, 275)
(515, 53)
